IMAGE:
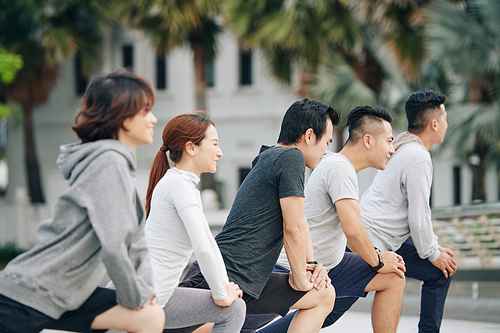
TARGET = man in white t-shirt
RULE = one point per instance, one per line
(396, 206)
(332, 212)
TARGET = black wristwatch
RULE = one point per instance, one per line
(380, 264)
(314, 262)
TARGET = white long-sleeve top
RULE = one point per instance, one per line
(176, 227)
(396, 205)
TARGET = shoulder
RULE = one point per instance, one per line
(287, 155)
(335, 164)
(414, 149)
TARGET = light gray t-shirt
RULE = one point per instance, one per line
(396, 205)
(332, 180)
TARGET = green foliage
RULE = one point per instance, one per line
(173, 23)
(9, 251)
(464, 39)
(338, 85)
(292, 32)
(10, 63)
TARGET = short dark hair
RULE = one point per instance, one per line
(360, 119)
(305, 114)
(420, 108)
(109, 100)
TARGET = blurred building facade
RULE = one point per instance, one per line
(243, 100)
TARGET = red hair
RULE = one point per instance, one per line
(184, 128)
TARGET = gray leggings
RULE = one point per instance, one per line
(189, 308)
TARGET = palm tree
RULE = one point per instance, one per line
(45, 33)
(293, 33)
(170, 24)
(465, 39)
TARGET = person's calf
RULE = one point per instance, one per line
(387, 302)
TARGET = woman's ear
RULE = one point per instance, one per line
(189, 148)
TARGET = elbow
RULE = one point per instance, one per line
(292, 230)
(354, 235)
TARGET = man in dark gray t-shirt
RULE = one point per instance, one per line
(268, 213)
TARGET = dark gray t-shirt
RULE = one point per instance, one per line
(252, 237)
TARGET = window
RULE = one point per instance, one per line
(209, 73)
(81, 80)
(457, 194)
(161, 72)
(245, 68)
(243, 173)
(128, 56)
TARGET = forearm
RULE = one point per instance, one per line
(357, 237)
(360, 243)
(309, 245)
(205, 249)
(295, 243)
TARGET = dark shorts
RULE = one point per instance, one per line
(16, 317)
(351, 276)
(276, 297)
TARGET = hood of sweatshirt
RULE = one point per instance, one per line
(405, 138)
(75, 157)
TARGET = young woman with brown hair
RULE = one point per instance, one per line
(98, 226)
(176, 227)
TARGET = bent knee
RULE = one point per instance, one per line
(396, 282)
(238, 311)
(326, 297)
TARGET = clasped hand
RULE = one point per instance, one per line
(233, 293)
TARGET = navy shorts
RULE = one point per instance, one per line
(351, 276)
(276, 297)
(16, 317)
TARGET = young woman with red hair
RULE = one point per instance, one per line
(176, 227)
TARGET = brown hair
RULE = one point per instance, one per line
(184, 128)
(109, 100)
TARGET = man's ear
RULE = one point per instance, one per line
(189, 148)
(433, 124)
(308, 136)
(367, 141)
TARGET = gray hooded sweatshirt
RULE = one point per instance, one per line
(98, 226)
(396, 205)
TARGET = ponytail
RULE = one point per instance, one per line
(158, 169)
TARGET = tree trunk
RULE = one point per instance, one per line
(340, 140)
(31, 159)
(199, 73)
(305, 82)
(367, 69)
(479, 173)
(207, 179)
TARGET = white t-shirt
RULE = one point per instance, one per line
(333, 179)
(176, 227)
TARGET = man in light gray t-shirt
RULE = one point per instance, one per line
(331, 209)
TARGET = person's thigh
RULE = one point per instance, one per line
(276, 297)
(416, 267)
(191, 308)
(351, 276)
(80, 320)
(16, 317)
